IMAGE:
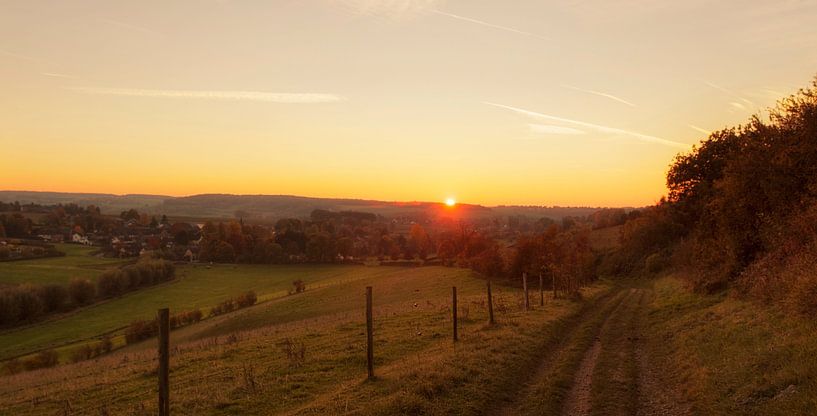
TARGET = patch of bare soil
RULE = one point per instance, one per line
(578, 400)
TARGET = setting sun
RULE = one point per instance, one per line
(243, 166)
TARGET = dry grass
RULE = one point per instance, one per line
(236, 365)
(733, 357)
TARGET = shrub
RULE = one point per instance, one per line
(195, 315)
(185, 318)
(246, 299)
(132, 278)
(146, 272)
(86, 352)
(9, 308)
(44, 359)
(139, 330)
(224, 307)
(299, 285)
(106, 345)
(82, 353)
(242, 301)
(53, 296)
(81, 291)
(111, 283)
(31, 306)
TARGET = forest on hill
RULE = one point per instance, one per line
(270, 208)
(741, 212)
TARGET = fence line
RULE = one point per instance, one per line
(182, 384)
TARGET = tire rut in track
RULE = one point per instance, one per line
(654, 397)
(578, 401)
(553, 354)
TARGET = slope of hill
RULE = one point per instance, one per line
(273, 207)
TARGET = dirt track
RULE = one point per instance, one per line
(602, 366)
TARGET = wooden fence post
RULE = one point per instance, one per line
(553, 279)
(369, 336)
(525, 288)
(541, 291)
(454, 309)
(164, 362)
(490, 305)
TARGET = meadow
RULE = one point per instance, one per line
(305, 353)
(628, 346)
(196, 287)
(77, 262)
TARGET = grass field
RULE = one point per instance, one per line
(195, 287)
(642, 343)
(237, 363)
(78, 262)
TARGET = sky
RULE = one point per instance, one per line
(496, 103)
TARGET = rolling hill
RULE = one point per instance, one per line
(272, 207)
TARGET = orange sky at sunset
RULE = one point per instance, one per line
(521, 102)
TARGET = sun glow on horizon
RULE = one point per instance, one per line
(161, 102)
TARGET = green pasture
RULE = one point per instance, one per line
(78, 262)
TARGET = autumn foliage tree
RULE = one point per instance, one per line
(741, 207)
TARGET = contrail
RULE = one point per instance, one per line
(698, 129)
(553, 129)
(132, 26)
(600, 94)
(597, 127)
(18, 56)
(491, 25)
(286, 98)
(56, 75)
(729, 92)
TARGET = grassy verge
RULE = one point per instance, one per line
(733, 357)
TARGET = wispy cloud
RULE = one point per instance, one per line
(595, 127)
(554, 129)
(738, 105)
(699, 129)
(131, 26)
(393, 9)
(17, 55)
(600, 94)
(729, 92)
(56, 75)
(486, 24)
(286, 98)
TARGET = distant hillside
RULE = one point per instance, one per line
(108, 203)
(555, 212)
(272, 207)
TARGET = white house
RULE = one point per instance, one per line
(80, 239)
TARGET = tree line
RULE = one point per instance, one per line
(741, 210)
(26, 303)
(326, 237)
